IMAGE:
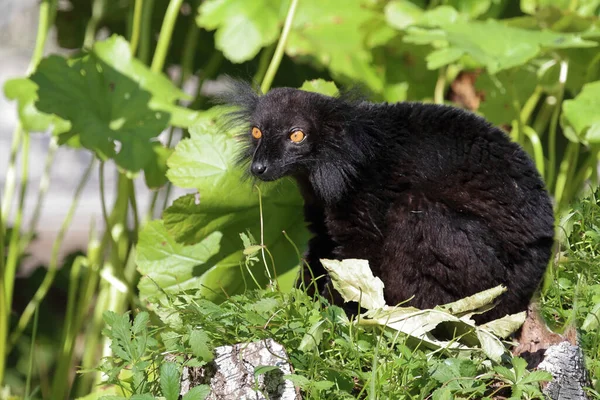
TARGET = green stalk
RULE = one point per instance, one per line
(146, 35)
(164, 39)
(86, 297)
(10, 182)
(530, 104)
(569, 162)
(42, 191)
(47, 15)
(538, 150)
(14, 247)
(552, 184)
(31, 353)
(263, 63)
(137, 22)
(543, 117)
(276, 60)
(98, 7)
(53, 265)
(60, 383)
(440, 85)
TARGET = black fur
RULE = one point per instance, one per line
(440, 202)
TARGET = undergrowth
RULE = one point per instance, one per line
(571, 294)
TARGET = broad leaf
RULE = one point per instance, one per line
(316, 32)
(169, 267)
(226, 204)
(479, 41)
(582, 115)
(243, 27)
(106, 109)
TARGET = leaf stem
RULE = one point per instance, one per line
(14, 247)
(564, 70)
(53, 264)
(98, 7)
(137, 22)
(164, 39)
(440, 85)
(42, 191)
(276, 60)
(146, 36)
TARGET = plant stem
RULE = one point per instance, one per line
(47, 14)
(42, 191)
(53, 264)
(276, 60)
(569, 162)
(31, 353)
(440, 85)
(14, 248)
(60, 382)
(146, 36)
(137, 22)
(538, 151)
(98, 7)
(164, 39)
(564, 70)
(263, 64)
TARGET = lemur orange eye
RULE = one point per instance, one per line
(297, 136)
(256, 133)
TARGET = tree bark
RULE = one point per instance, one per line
(232, 373)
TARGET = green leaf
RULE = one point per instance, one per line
(106, 109)
(169, 380)
(199, 392)
(316, 32)
(313, 337)
(169, 267)
(322, 86)
(24, 91)
(243, 27)
(298, 380)
(263, 369)
(201, 346)
(582, 113)
(116, 105)
(145, 396)
(536, 376)
(354, 280)
(207, 162)
(115, 51)
(479, 41)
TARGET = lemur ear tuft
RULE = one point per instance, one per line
(242, 98)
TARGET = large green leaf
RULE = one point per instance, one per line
(491, 43)
(227, 204)
(335, 36)
(113, 102)
(243, 27)
(169, 267)
(581, 114)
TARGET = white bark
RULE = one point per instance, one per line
(566, 364)
(231, 374)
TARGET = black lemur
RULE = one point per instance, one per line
(439, 201)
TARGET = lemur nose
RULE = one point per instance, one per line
(258, 168)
